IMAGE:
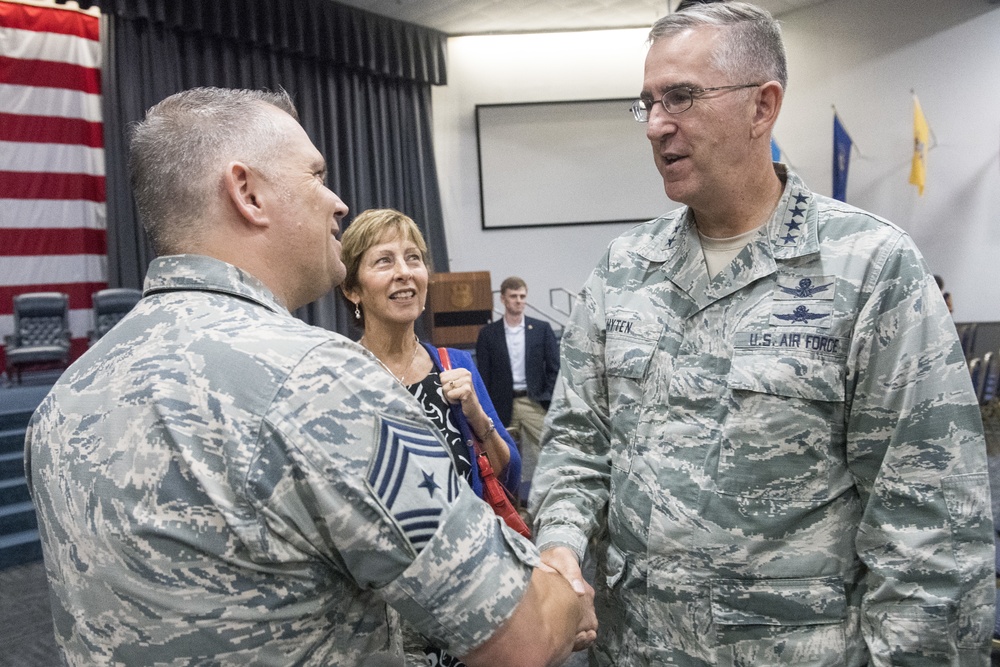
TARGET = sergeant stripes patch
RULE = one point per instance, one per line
(412, 474)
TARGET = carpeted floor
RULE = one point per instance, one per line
(25, 619)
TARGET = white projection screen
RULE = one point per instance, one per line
(565, 163)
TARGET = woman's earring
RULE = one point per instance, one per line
(357, 312)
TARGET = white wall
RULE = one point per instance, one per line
(525, 68)
(864, 56)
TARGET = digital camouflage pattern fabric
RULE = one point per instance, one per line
(219, 483)
(787, 459)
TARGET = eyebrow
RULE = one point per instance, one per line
(671, 86)
(391, 251)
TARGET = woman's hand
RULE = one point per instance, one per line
(458, 388)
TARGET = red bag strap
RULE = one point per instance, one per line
(494, 492)
(446, 365)
(445, 359)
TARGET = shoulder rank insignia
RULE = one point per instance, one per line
(412, 475)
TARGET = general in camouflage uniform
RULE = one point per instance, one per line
(784, 461)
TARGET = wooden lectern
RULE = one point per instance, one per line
(461, 303)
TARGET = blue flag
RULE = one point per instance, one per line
(775, 151)
(841, 159)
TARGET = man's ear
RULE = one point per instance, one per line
(769, 97)
(245, 189)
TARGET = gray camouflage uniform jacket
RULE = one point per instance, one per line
(219, 483)
(787, 459)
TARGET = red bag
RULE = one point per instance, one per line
(494, 493)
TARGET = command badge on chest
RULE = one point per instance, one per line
(802, 300)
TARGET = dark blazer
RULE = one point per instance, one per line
(541, 361)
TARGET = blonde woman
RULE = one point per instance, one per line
(387, 276)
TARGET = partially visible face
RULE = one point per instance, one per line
(309, 215)
(700, 151)
(392, 282)
(514, 301)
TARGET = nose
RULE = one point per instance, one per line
(660, 123)
(340, 210)
(403, 271)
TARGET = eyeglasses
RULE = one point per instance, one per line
(678, 100)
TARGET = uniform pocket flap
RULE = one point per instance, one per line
(779, 601)
(803, 376)
(629, 349)
(615, 565)
(967, 497)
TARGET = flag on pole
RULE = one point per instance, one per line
(841, 158)
(775, 151)
(52, 189)
(921, 139)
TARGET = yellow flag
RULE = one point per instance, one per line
(921, 138)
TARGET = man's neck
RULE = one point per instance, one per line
(513, 320)
(740, 210)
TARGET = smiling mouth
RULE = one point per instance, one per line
(404, 294)
(670, 159)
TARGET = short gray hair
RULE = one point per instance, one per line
(176, 155)
(752, 49)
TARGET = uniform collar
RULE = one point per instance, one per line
(173, 273)
(791, 232)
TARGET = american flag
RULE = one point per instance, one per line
(52, 191)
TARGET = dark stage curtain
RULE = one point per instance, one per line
(361, 83)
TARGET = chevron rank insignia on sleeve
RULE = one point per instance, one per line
(413, 477)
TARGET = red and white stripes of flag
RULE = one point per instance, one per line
(52, 188)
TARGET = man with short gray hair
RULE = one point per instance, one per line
(763, 414)
(219, 483)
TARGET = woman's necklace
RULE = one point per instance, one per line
(401, 378)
